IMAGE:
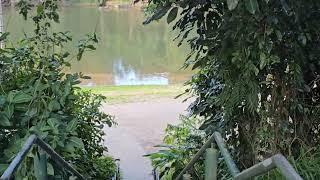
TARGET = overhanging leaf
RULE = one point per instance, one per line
(54, 105)
(4, 36)
(172, 15)
(232, 4)
(263, 60)
(76, 142)
(2, 100)
(10, 96)
(9, 110)
(4, 120)
(252, 6)
(31, 112)
(72, 125)
(52, 122)
(158, 14)
(199, 63)
(21, 97)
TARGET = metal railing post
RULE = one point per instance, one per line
(211, 164)
(43, 165)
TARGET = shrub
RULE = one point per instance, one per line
(90, 129)
(37, 97)
(106, 168)
(181, 142)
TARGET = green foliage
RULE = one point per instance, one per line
(172, 15)
(37, 97)
(91, 121)
(307, 164)
(258, 66)
(106, 168)
(89, 126)
(181, 142)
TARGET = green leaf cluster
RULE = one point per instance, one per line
(106, 168)
(181, 142)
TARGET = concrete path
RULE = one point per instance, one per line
(141, 125)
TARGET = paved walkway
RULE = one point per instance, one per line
(140, 126)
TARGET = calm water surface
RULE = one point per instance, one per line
(128, 52)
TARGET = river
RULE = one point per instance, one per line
(128, 53)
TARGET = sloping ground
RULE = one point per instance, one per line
(140, 126)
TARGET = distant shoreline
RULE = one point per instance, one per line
(110, 5)
(113, 4)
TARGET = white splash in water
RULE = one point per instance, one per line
(128, 76)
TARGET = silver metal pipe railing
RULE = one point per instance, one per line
(277, 161)
(33, 139)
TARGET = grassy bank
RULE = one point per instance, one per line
(126, 94)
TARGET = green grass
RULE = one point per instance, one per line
(126, 94)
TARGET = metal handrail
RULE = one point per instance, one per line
(117, 173)
(33, 139)
(155, 174)
(276, 161)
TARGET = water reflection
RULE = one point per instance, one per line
(147, 53)
(129, 76)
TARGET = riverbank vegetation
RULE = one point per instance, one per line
(258, 76)
(37, 97)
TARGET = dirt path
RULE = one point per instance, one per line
(140, 126)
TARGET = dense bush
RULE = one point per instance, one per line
(257, 78)
(37, 97)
